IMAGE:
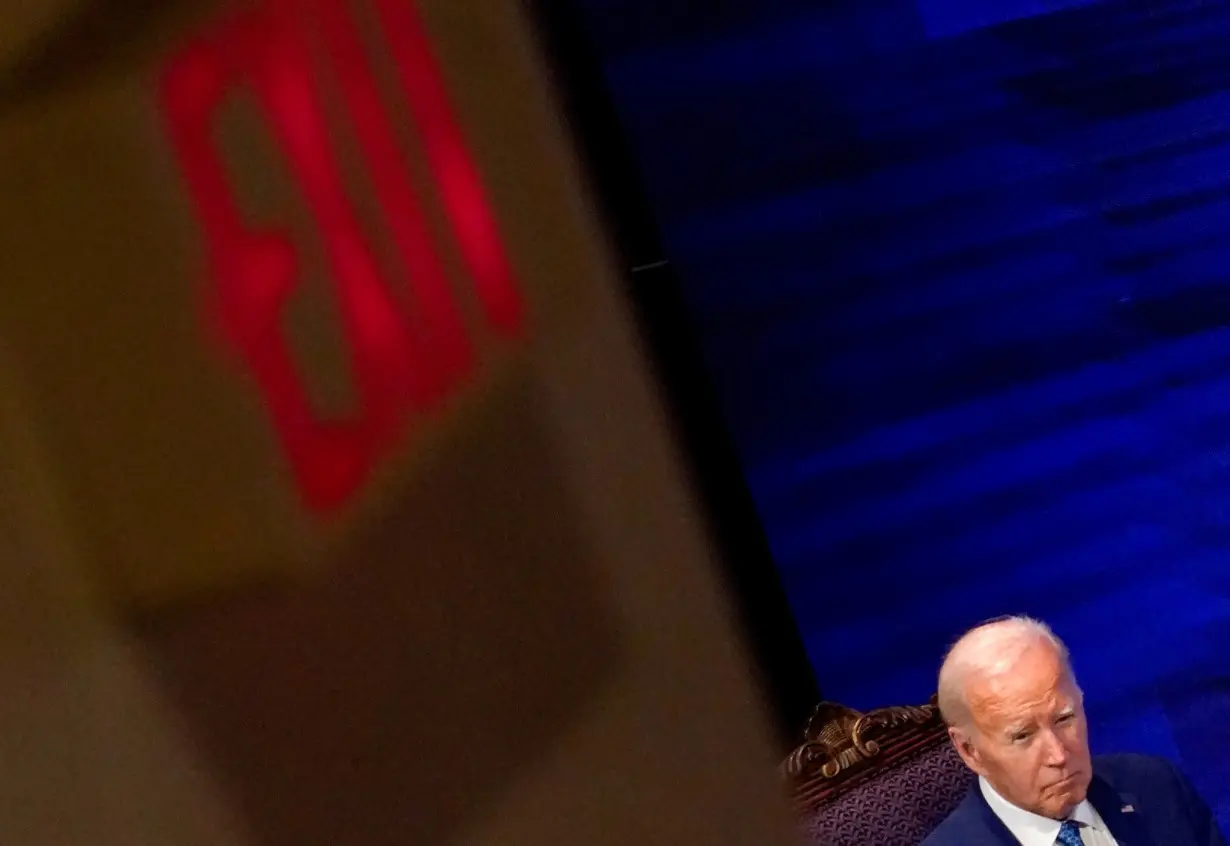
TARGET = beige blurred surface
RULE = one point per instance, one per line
(26, 21)
(442, 653)
(170, 475)
(90, 753)
(519, 638)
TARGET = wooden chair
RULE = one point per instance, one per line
(884, 778)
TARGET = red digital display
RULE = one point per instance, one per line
(402, 360)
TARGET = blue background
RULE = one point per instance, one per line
(961, 270)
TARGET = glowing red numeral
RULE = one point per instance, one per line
(399, 364)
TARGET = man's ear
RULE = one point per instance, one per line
(966, 749)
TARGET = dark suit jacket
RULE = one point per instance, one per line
(1144, 801)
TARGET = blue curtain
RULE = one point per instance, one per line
(961, 271)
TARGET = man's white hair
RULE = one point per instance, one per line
(988, 650)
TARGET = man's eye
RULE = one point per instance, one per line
(1065, 718)
(1021, 736)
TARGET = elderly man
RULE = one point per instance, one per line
(1015, 715)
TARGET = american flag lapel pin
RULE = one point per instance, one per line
(1128, 809)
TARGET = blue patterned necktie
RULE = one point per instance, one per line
(1070, 834)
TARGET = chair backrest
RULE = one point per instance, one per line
(887, 777)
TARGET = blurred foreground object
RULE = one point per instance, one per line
(28, 21)
(333, 388)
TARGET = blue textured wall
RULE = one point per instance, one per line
(963, 281)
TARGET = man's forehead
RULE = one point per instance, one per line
(1004, 694)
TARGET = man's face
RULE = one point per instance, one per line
(1027, 734)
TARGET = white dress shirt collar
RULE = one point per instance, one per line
(1028, 827)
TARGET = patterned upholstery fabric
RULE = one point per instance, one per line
(897, 806)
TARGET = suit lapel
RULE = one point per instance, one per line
(1121, 813)
(989, 829)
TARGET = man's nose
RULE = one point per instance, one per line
(1054, 752)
